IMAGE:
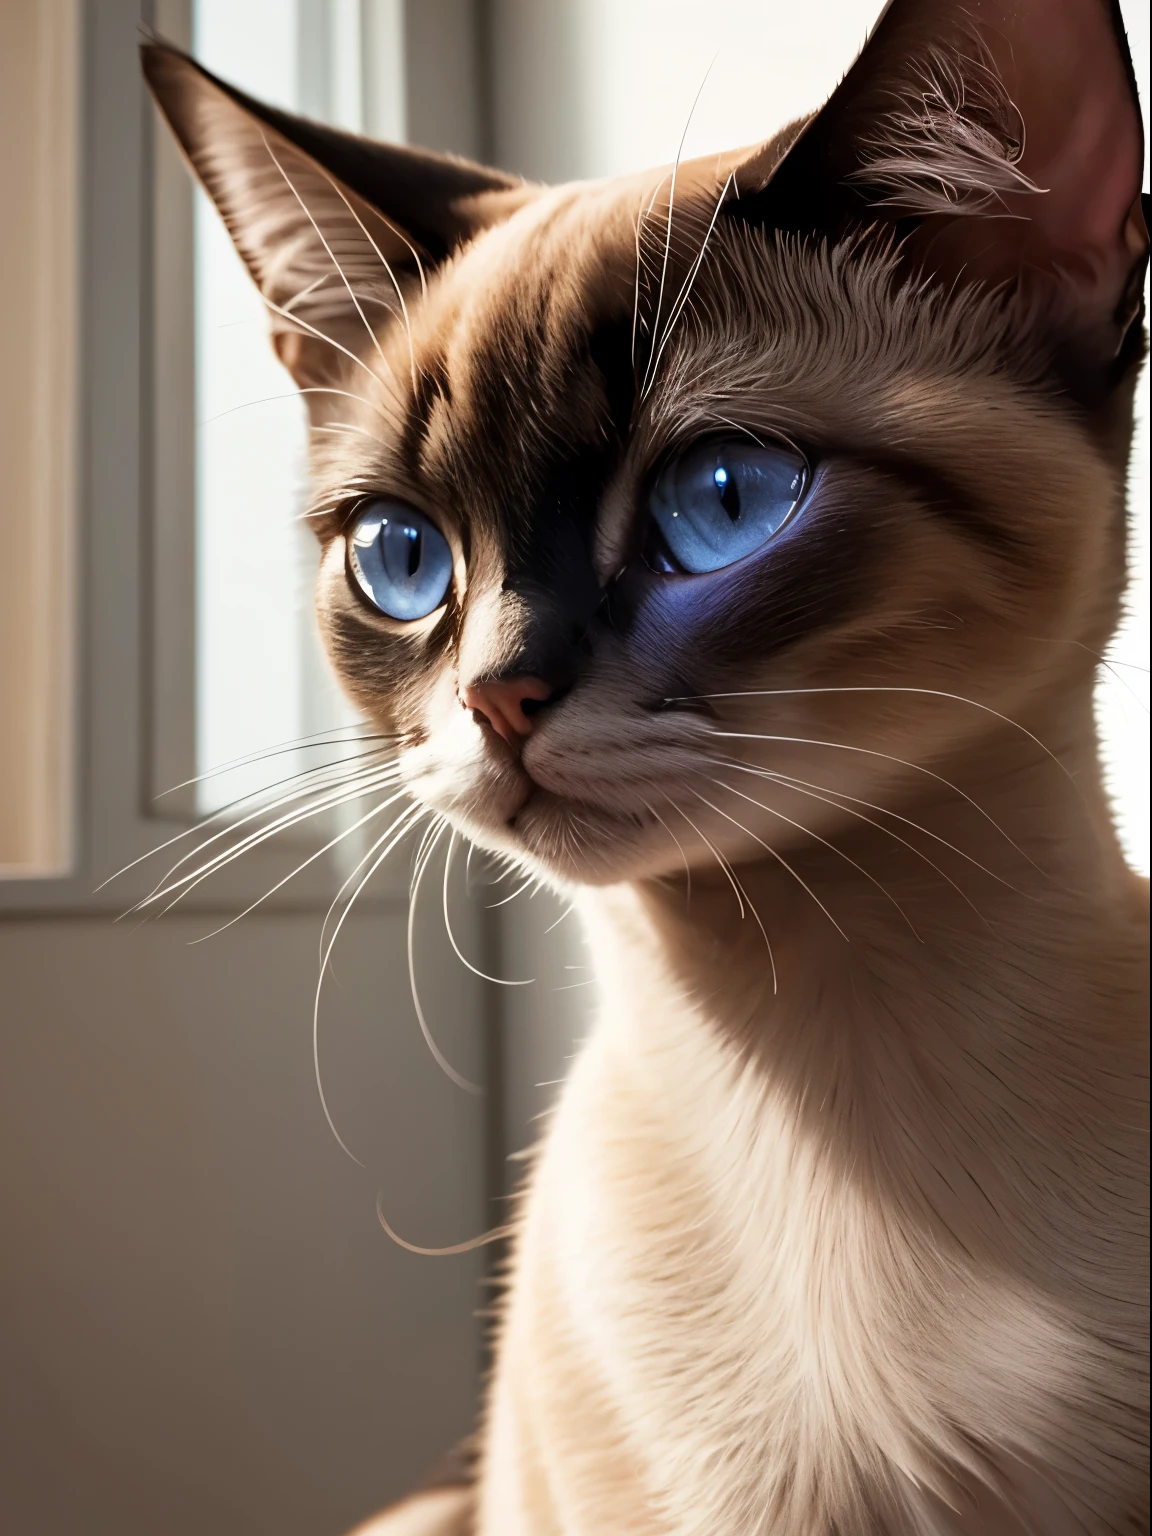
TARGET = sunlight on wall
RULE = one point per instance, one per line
(1122, 697)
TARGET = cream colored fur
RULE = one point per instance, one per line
(438, 1512)
(859, 1257)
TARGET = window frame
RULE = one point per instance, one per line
(133, 617)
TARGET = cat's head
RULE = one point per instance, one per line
(777, 460)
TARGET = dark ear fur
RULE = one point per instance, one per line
(331, 226)
(1003, 139)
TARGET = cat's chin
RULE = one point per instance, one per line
(560, 839)
(578, 842)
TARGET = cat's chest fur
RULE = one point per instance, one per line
(782, 1315)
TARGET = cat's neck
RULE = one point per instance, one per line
(871, 1173)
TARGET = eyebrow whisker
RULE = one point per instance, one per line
(331, 254)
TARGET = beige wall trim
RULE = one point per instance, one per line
(39, 101)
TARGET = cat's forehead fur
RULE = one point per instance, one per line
(518, 355)
(590, 329)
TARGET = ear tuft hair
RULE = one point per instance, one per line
(1001, 140)
(333, 228)
(950, 144)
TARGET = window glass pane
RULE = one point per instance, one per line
(261, 677)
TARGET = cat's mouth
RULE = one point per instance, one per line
(505, 808)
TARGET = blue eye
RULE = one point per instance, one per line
(719, 501)
(400, 559)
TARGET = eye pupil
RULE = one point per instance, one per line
(413, 550)
(729, 493)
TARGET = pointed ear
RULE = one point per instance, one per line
(333, 228)
(1004, 139)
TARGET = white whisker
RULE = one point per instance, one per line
(337, 797)
(311, 859)
(222, 813)
(777, 856)
(384, 263)
(841, 746)
(680, 846)
(405, 821)
(347, 881)
(301, 293)
(937, 693)
(503, 902)
(285, 314)
(483, 975)
(772, 811)
(331, 254)
(821, 791)
(1110, 663)
(311, 781)
(294, 394)
(494, 1235)
(567, 912)
(340, 426)
(301, 743)
(668, 230)
(641, 219)
(430, 841)
(685, 290)
(733, 881)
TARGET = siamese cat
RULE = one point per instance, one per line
(733, 545)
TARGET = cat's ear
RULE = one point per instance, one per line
(332, 227)
(1003, 139)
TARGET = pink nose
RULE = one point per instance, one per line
(502, 703)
